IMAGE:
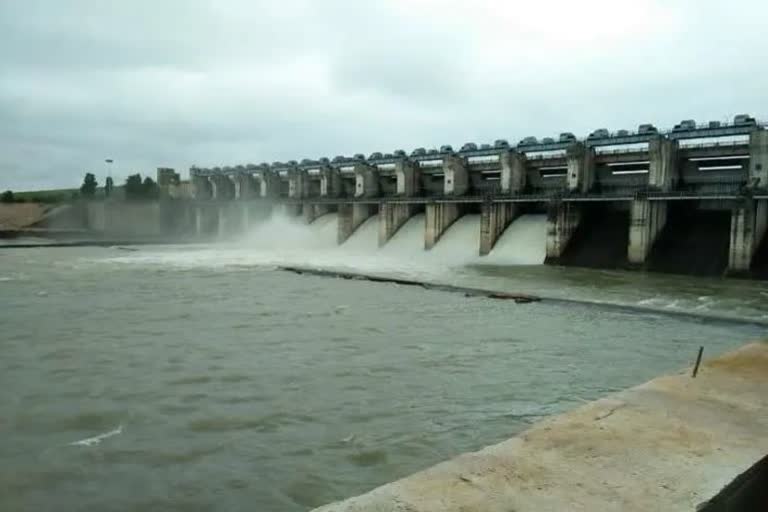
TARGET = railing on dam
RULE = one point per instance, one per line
(690, 161)
(532, 147)
(609, 196)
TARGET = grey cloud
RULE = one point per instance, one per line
(210, 82)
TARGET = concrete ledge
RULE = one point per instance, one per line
(518, 298)
(670, 444)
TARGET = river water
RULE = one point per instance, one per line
(202, 378)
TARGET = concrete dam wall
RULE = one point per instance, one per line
(693, 199)
(701, 238)
(124, 219)
(641, 199)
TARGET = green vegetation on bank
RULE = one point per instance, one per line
(38, 196)
(89, 186)
(135, 188)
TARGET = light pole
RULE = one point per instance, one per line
(108, 184)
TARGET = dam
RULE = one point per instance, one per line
(641, 199)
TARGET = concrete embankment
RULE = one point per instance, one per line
(95, 223)
(674, 443)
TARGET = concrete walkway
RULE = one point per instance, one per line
(670, 444)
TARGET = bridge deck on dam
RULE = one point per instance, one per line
(522, 198)
(674, 444)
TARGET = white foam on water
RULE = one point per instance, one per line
(91, 441)
(14, 277)
(524, 242)
(288, 240)
(281, 232)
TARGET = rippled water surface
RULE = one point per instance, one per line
(200, 378)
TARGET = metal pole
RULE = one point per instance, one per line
(698, 361)
(107, 191)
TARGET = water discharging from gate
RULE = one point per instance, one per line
(288, 240)
(524, 242)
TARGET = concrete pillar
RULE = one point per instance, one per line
(581, 168)
(366, 180)
(408, 177)
(245, 218)
(223, 224)
(646, 221)
(456, 181)
(201, 188)
(313, 211)
(562, 221)
(758, 158)
(198, 221)
(270, 184)
(215, 190)
(330, 182)
(513, 175)
(350, 218)
(494, 219)
(439, 217)
(297, 184)
(223, 188)
(190, 221)
(392, 216)
(662, 170)
(244, 186)
(748, 223)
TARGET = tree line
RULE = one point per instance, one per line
(135, 188)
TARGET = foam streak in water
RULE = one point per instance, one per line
(91, 441)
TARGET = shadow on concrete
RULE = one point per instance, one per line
(693, 242)
(759, 268)
(747, 492)
(600, 241)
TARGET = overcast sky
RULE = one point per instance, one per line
(210, 82)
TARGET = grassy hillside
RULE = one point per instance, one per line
(46, 196)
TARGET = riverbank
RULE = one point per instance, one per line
(673, 443)
(20, 215)
(30, 241)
